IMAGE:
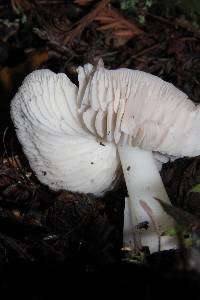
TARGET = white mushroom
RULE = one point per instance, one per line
(142, 115)
(72, 137)
(62, 153)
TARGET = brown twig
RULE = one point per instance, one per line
(5, 148)
(27, 4)
(179, 22)
(85, 21)
(18, 170)
(63, 50)
(83, 2)
(142, 52)
(113, 19)
(150, 213)
(122, 28)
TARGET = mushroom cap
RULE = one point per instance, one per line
(62, 153)
(136, 108)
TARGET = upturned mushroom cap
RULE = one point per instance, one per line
(136, 108)
(62, 153)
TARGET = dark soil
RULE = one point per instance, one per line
(54, 244)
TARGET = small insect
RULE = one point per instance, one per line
(143, 225)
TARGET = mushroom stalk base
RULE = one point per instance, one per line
(144, 184)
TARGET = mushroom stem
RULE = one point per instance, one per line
(144, 184)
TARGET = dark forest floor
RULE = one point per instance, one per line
(51, 243)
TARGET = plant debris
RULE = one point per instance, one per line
(71, 233)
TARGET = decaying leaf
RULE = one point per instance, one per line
(12, 161)
(123, 29)
(10, 77)
(19, 5)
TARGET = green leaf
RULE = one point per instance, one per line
(188, 241)
(196, 188)
(128, 4)
(141, 19)
(170, 232)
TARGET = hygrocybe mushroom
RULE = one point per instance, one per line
(150, 121)
(72, 137)
(60, 150)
